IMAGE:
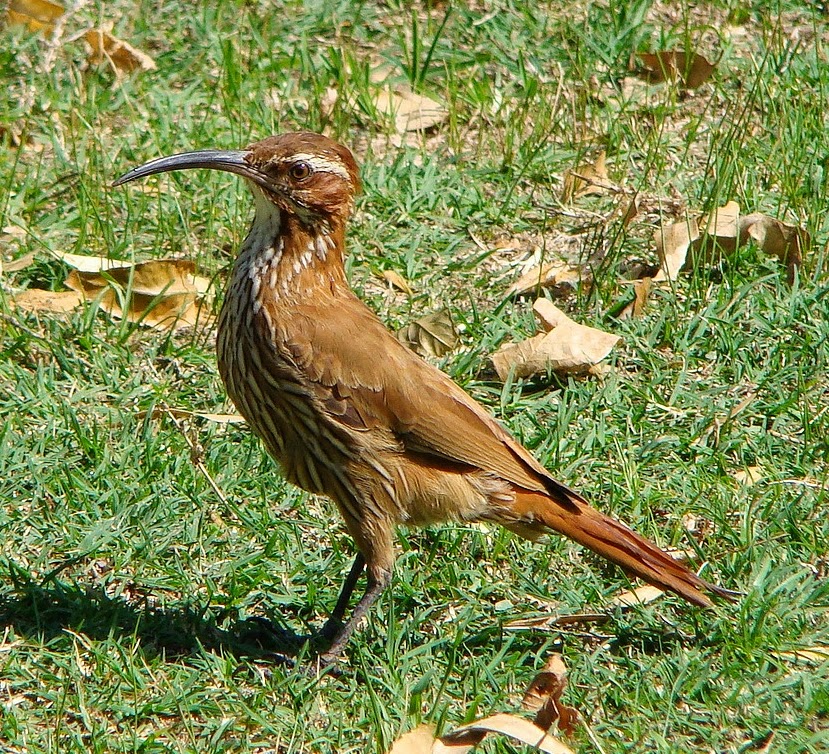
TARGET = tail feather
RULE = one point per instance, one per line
(614, 541)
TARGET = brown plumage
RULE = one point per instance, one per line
(348, 411)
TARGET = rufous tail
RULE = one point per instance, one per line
(574, 518)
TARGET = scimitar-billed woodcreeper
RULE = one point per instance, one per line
(351, 413)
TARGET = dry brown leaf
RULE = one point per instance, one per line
(21, 263)
(549, 316)
(37, 300)
(641, 291)
(88, 263)
(122, 56)
(749, 475)
(220, 418)
(567, 347)
(36, 14)
(552, 275)
(776, 238)
(181, 413)
(158, 277)
(723, 226)
(177, 311)
(816, 655)
(543, 696)
(718, 236)
(631, 211)
(431, 335)
(409, 111)
(690, 71)
(642, 595)
(163, 293)
(589, 178)
(420, 740)
(395, 279)
(508, 725)
(672, 244)
(683, 244)
(548, 622)
(689, 243)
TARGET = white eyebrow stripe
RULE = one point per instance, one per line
(322, 165)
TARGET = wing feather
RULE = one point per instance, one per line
(368, 380)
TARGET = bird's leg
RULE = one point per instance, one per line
(335, 621)
(378, 580)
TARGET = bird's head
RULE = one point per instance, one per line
(303, 174)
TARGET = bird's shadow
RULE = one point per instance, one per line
(47, 610)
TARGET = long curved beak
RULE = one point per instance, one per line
(229, 160)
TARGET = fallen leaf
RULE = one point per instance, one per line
(122, 56)
(723, 226)
(631, 211)
(159, 313)
(551, 275)
(548, 622)
(776, 238)
(420, 740)
(181, 413)
(464, 738)
(566, 347)
(642, 595)
(395, 279)
(21, 263)
(432, 335)
(38, 300)
(816, 655)
(407, 110)
(749, 475)
(162, 293)
(220, 418)
(543, 697)
(88, 263)
(690, 71)
(36, 14)
(589, 178)
(672, 244)
(641, 291)
(158, 277)
(691, 242)
(686, 244)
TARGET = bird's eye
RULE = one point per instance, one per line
(299, 171)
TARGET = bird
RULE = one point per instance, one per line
(351, 413)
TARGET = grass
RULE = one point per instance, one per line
(129, 589)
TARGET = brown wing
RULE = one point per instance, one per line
(370, 380)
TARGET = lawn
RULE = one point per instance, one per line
(152, 558)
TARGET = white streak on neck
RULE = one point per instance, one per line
(266, 223)
(263, 247)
